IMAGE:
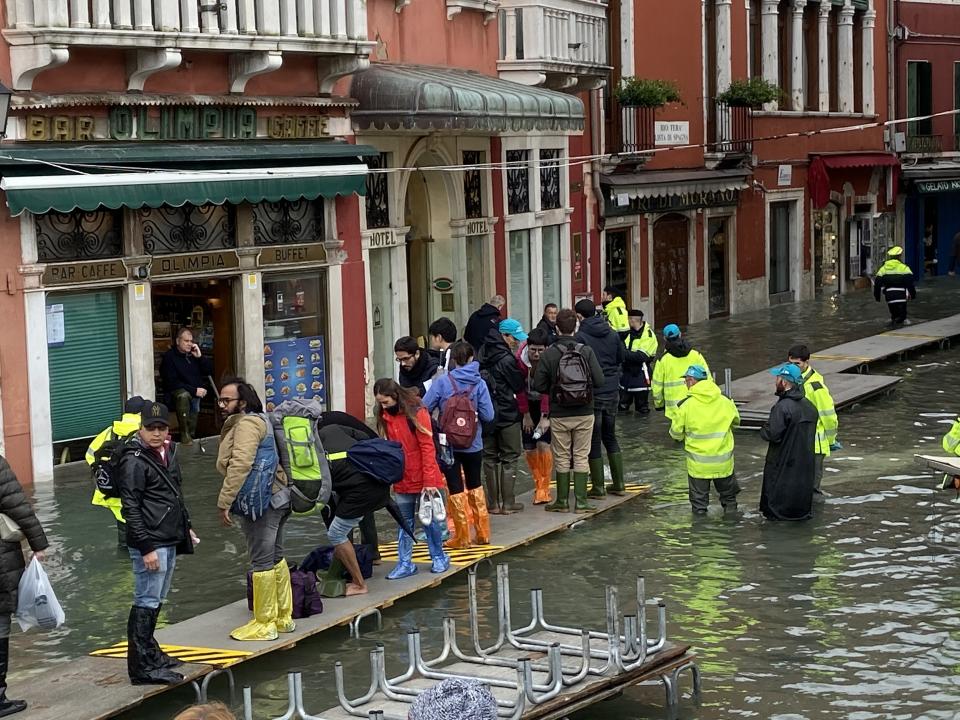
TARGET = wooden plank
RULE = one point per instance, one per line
(941, 463)
(52, 694)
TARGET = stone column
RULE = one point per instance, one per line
(845, 59)
(823, 51)
(869, 77)
(724, 73)
(510, 41)
(769, 44)
(797, 56)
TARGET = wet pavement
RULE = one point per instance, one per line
(851, 615)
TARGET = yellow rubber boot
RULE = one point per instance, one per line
(477, 500)
(458, 511)
(285, 623)
(264, 623)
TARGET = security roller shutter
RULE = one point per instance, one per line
(85, 382)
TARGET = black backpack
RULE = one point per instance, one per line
(573, 383)
(106, 466)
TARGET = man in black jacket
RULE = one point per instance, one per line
(483, 320)
(610, 350)
(158, 528)
(548, 323)
(442, 334)
(502, 439)
(184, 373)
(417, 366)
(790, 467)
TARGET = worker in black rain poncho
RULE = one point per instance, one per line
(788, 473)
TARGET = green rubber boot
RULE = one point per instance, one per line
(562, 503)
(597, 489)
(617, 487)
(332, 584)
(580, 493)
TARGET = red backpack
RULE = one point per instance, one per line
(458, 421)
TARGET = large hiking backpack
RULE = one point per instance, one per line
(302, 456)
(573, 383)
(107, 464)
(458, 421)
(253, 499)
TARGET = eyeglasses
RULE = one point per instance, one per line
(406, 358)
(224, 401)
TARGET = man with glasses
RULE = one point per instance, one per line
(828, 423)
(184, 372)
(417, 366)
(158, 529)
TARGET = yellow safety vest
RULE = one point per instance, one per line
(704, 421)
(616, 312)
(815, 390)
(127, 425)
(645, 343)
(668, 387)
(951, 441)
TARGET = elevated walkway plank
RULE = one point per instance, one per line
(106, 691)
(941, 463)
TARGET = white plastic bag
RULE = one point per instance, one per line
(37, 605)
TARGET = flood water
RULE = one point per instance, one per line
(851, 615)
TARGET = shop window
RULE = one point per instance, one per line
(780, 219)
(190, 228)
(473, 183)
(519, 301)
(294, 332)
(518, 181)
(78, 235)
(477, 292)
(377, 200)
(551, 265)
(288, 223)
(919, 97)
(617, 246)
(549, 179)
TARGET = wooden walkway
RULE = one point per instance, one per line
(754, 393)
(941, 463)
(102, 683)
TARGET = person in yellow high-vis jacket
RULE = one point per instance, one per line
(704, 421)
(951, 441)
(615, 310)
(667, 385)
(126, 426)
(828, 423)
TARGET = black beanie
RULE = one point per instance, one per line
(585, 308)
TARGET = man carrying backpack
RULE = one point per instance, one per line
(102, 456)
(158, 530)
(568, 372)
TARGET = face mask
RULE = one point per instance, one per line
(394, 410)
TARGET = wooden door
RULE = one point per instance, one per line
(670, 236)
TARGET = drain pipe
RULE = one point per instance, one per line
(891, 65)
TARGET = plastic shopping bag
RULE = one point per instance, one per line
(37, 606)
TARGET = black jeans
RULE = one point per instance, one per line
(604, 427)
(638, 399)
(471, 465)
(698, 490)
(898, 312)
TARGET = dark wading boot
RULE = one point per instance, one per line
(580, 493)
(142, 663)
(508, 485)
(617, 487)
(161, 658)
(562, 503)
(492, 483)
(597, 489)
(7, 706)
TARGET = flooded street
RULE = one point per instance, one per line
(855, 614)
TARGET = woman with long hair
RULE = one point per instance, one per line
(467, 469)
(403, 419)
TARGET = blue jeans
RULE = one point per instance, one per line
(151, 588)
(409, 504)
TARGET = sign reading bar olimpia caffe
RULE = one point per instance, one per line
(182, 123)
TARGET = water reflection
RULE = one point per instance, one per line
(852, 615)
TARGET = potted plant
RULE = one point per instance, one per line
(644, 93)
(753, 93)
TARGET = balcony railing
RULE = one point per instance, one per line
(924, 144)
(557, 43)
(636, 130)
(732, 129)
(322, 27)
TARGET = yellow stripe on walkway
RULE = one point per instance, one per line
(421, 554)
(843, 357)
(207, 656)
(914, 335)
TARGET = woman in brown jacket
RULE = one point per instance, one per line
(14, 505)
(244, 428)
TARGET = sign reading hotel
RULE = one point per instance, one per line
(671, 132)
(178, 123)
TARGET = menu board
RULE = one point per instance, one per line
(294, 369)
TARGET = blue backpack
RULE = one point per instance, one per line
(380, 459)
(254, 497)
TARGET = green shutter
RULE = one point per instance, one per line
(85, 386)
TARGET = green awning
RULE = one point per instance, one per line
(421, 97)
(64, 178)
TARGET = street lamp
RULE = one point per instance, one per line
(5, 95)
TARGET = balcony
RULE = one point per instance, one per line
(731, 129)
(559, 44)
(924, 144)
(256, 33)
(636, 132)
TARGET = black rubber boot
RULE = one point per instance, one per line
(160, 658)
(508, 483)
(142, 663)
(7, 707)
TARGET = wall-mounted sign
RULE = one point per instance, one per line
(384, 238)
(938, 186)
(290, 127)
(671, 132)
(478, 227)
(442, 284)
(784, 175)
(293, 254)
(194, 263)
(673, 203)
(82, 272)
